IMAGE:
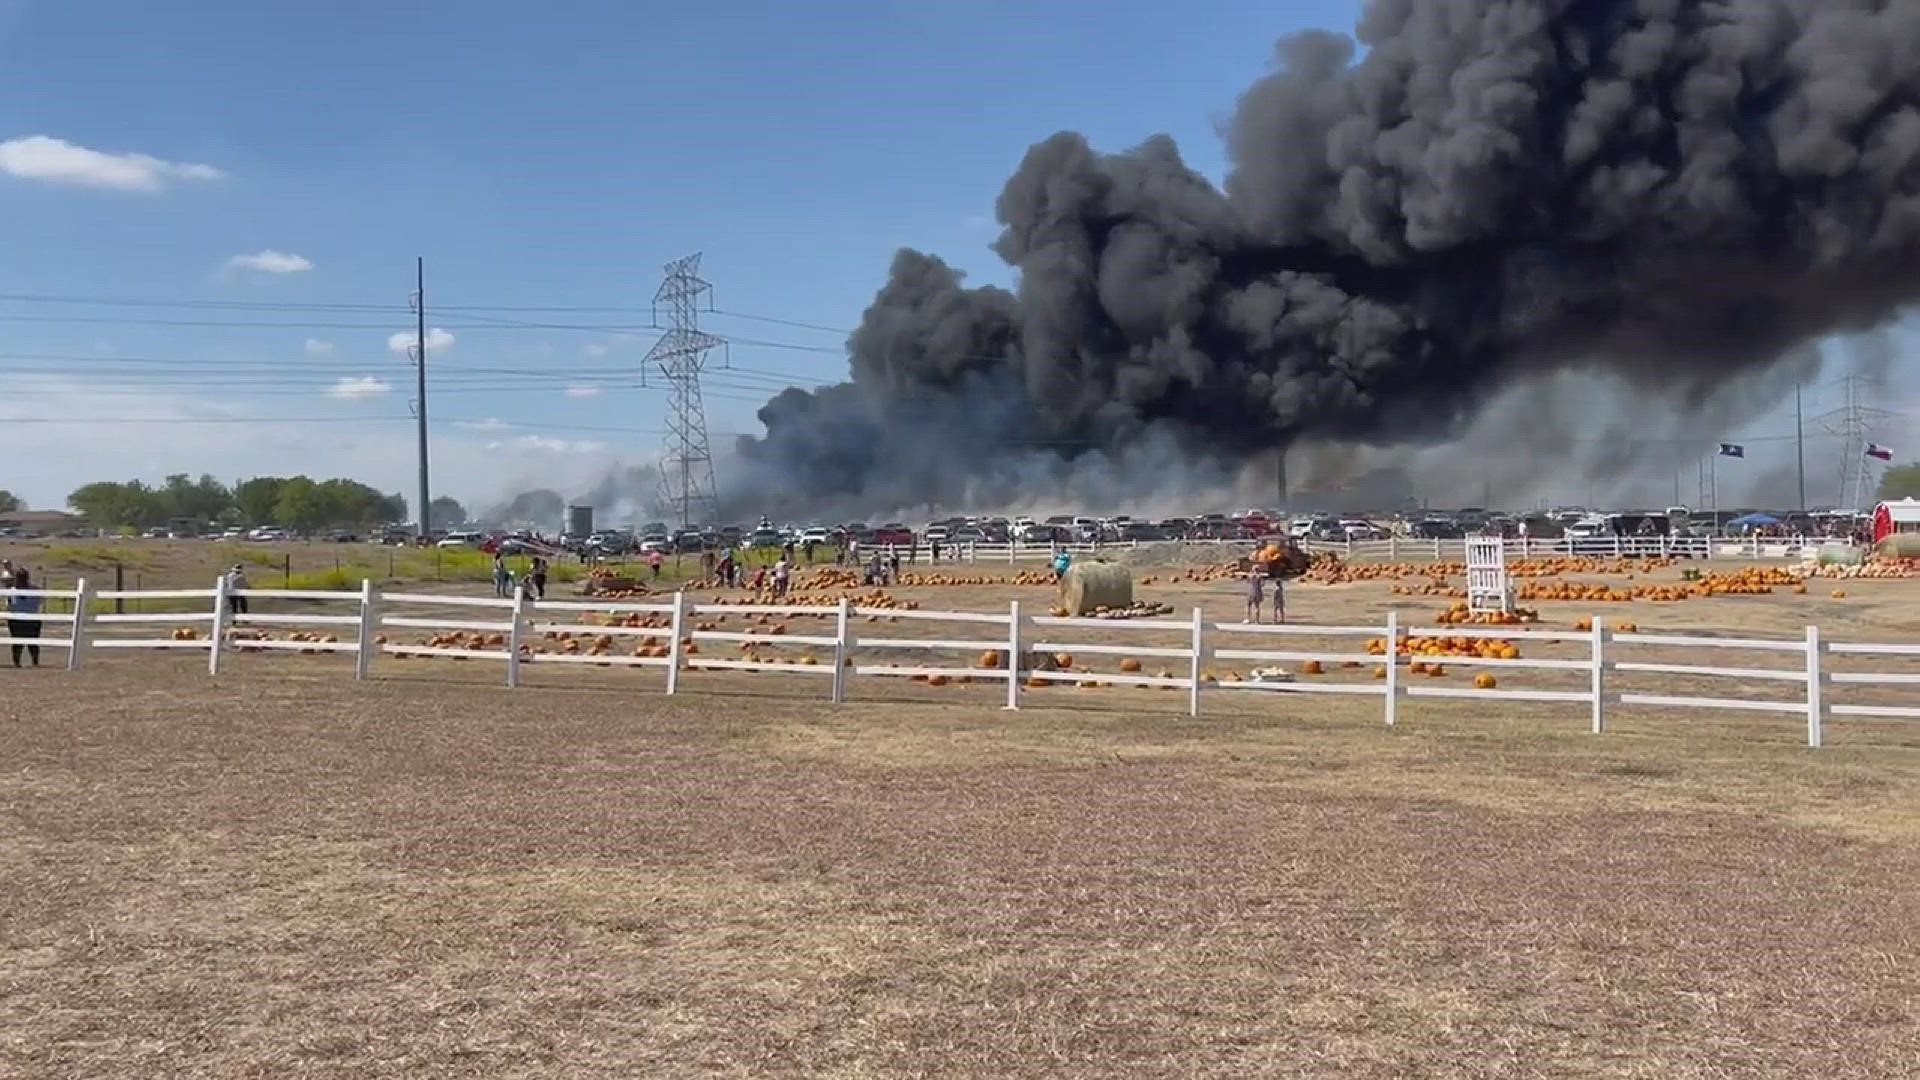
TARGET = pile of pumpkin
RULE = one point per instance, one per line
(1139, 609)
(1585, 623)
(1750, 581)
(1458, 615)
(240, 638)
(841, 578)
(1877, 567)
(185, 633)
(610, 585)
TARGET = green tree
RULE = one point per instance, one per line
(109, 505)
(9, 502)
(1901, 482)
(445, 512)
(538, 507)
(200, 500)
(302, 506)
(257, 498)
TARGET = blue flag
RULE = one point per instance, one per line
(1728, 449)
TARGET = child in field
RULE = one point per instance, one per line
(18, 627)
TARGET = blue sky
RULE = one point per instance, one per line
(535, 157)
(230, 161)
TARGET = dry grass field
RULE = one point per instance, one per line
(283, 872)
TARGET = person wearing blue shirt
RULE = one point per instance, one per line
(18, 628)
(1062, 561)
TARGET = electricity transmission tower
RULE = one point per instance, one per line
(1856, 425)
(686, 461)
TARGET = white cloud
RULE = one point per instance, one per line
(270, 262)
(491, 423)
(547, 445)
(594, 350)
(583, 391)
(365, 386)
(317, 348)
(55, 161)
(438, 340)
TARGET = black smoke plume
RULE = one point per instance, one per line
(1671, 192)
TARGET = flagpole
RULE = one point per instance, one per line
(1713, 488)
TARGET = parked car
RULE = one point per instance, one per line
(461, 538)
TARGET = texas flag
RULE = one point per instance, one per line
(1875, 450)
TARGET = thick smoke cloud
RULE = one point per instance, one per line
(1672, 193)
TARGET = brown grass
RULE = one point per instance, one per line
(282, 872)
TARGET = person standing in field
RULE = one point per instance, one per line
(236, 590)
(539, 578)
(502, 577)
(1256, 594)
(20, 623)
(654, 559)
(782, 577)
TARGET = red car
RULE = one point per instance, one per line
(893, 533)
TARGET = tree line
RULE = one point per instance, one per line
(300, 503)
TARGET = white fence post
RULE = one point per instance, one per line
(841, 648)
(1393, 667)
(1199, 656)
(363, 656)
(1013, 654)
(674, 650)
(516, 633)
(77, 632)
(219, 624)
(1816, 702)
(1599, 676)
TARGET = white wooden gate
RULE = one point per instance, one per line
(1488, 589)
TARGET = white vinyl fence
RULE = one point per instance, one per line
(1011, 647)
(1402, 547)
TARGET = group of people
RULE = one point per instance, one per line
(1258, 576)
(536, 578)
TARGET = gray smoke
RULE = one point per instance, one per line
(1668, 194)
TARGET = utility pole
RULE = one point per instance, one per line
(1800, 446)
(686, 462)
(419, 356)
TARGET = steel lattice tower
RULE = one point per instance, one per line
(686, 462)
(1856, 424)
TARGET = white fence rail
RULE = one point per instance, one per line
(1402, 547)
(1010, 647)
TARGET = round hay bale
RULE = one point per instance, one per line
(1088, 587)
